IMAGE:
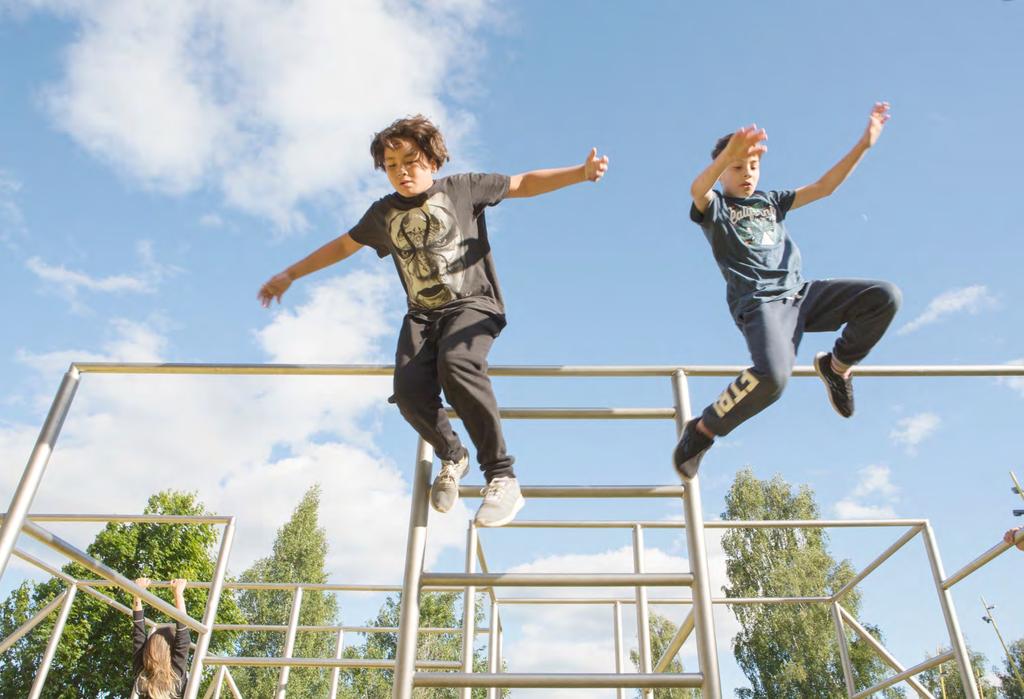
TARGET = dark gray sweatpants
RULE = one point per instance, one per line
(450, 353)
(773, 331)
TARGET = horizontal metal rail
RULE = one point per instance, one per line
(906, 674)
(653, 491)
(345, 663)
(984, 559)
(267, 587)
(588, 491)
(514, 680)
(559, 579)
(275, 628)
(583, 413)
(139, 519)
(663, 601)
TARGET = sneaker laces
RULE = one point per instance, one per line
(495, 490)
(449, 471)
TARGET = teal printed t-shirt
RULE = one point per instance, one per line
(758, 259)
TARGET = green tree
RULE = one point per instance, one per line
(789, 651)
(299, 554)
(94, 655)
(1013, 688)
(437, 610)
(944, 681)
(662, 633)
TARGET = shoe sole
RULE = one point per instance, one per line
(828, 389)
(456, 499)
(699, 456)
(520, 501)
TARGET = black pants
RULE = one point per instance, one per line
(774, 329)
(450, 353)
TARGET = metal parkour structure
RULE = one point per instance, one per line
(410, 671)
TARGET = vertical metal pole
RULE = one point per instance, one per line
(415, 548)
(707, 645)
(956, 638)
(643, 622)
(844, 650)
(289, 643)
(469, 610)
(210, 615)
(335, 670)
(991, 618)
(51, 647)
(231, 683)
(36, 466)
(620, 693)
(218, 681)
(493, 643)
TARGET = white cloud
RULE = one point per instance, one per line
(911, 431)
(273, 103)
(12, 221)
(875, 484)
(970, 299)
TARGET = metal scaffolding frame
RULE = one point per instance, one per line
(699, 622)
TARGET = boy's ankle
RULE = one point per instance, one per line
(703, 429)
(840, 368)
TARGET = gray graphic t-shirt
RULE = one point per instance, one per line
(438, 241)
(759, 261)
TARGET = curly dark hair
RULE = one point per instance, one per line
(720, 145)
(418, 129)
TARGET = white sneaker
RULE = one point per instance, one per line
(502, 501)
(444, 492)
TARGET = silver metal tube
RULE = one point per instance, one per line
(956, 638)
(344, 663)
(676, 644)
(883, 652)
(492, 648)
(25, 628)
(338, 649)
(620, 693)
(469, 607)
(51, 646)
(212, 603)
(871, 567)
(643, 621)
(289, 643)
(704, 624)
(415, 548)
(512, 680)
(301, 628)
(218, 681)
(910, 672)
(134, 519)
(583, 413)
(232, 686)
(844, 650)
(984, 559)
(727, 601)
(209, 691)
(562, 579)
(678, 491)
(58, 544)
(21, 501)
(588, 491)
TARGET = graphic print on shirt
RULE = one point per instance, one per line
(429, 250)
(755, 225)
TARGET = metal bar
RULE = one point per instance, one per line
(728, 601)
(209, 691)
(984, 559)
(844, 650)
(533, 371)
(212, 603)
(643, 621)
(289, 643)
(588, 491)
(582, 413)
(55, 542)
(704, 624)
(308, 587)
(956, 638)
(136, 519)
(21, 501)
(882, 651)
(676, 644)
(910, 672)
(301, 628)
(234, 687)
(557, 680)
(51, 646)
(338, 649)
(882, 558)
(492, 648)
(469, 607)
(415, 548)
(562, 579)
(620, 692)
(218, 681)
(678, 491)
(22, 630)
(344, 663)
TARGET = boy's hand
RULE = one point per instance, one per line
(274, 289)
(876, 122)
(746, 142)
(594, 167)
(143, 583)
(178, 585)
(1009, 536)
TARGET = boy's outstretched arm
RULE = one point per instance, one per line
(324, 256)
(841, 170)
(530, 184)
(745, 142)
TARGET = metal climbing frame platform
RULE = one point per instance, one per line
(406, 675)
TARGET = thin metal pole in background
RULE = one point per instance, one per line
(696, 544)
(51, 646)
(415, 549)
(844, 650)
(289, 643)
(335, 670)
(36, 466)
(212, 603)
(620, 693)
(643, 621)
(493, 646)
(469, 609)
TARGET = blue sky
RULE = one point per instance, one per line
(158, 164)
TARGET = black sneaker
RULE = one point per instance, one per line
(839, 387)
(690, 450)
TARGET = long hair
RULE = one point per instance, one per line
(157, 680)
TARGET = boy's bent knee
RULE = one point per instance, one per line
(889, 295)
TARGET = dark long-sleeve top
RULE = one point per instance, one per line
(179, 649)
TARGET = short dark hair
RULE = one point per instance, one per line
(419, 130)
(720, 145)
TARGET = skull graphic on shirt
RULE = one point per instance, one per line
(428, 248)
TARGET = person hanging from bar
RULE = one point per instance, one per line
(159, 662)
(1009, 536)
